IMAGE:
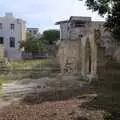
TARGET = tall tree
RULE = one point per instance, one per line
(110, 9)
(50, 36)
(32, 44)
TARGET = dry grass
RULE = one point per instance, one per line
(28, 64)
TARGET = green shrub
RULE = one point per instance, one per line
(107, 116)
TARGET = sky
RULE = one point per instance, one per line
(44, 13)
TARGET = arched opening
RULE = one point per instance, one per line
(88, 60)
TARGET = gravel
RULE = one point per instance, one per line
(56, 110)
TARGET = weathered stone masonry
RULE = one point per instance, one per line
(82, 54)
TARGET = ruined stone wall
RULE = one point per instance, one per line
(69, 56)
(76, 33)
(72, 33)
(64, 34)
(89, 55)
(85, 55)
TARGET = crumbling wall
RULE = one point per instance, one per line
(69, 56)
(85, 55)
(89, 49)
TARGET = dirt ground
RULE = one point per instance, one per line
(54, 110)
(69, 102)
(73, 103)
(55, 105)
(59, 110)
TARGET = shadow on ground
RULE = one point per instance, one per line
(56, 95)
(108, 90)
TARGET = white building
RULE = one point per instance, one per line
(12, 31)
(34, 31)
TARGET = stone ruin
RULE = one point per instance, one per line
(85, 56)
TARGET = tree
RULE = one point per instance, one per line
(102, 6)
(50, 36)
(109, 8)
(32, 44)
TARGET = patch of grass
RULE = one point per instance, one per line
(17, 70)
(108, 116)
(4, 80)
(28, 64)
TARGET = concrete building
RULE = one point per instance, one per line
(34, 31)
(12, 31)
(77, 27)
(82, 48)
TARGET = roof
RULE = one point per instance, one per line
(80, 18)
(59, 22)
(32, 28)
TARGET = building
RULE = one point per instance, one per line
(1, 52)
(12, 31)
(34, 31)
(82, 48)
(77, 27)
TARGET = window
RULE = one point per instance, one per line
(81, 35)
(1, 40)
(1, 25)
(35, 32)
(79, 24)
(68, 28)
(12, 26)
(12, 42)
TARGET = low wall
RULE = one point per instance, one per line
(30, 56)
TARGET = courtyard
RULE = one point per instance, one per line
(50, 95)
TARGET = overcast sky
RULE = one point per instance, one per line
(44, 13)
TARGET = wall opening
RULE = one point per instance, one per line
(1, 40)
(77, 24)
(88, 59)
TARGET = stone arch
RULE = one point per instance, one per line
(88, 57)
